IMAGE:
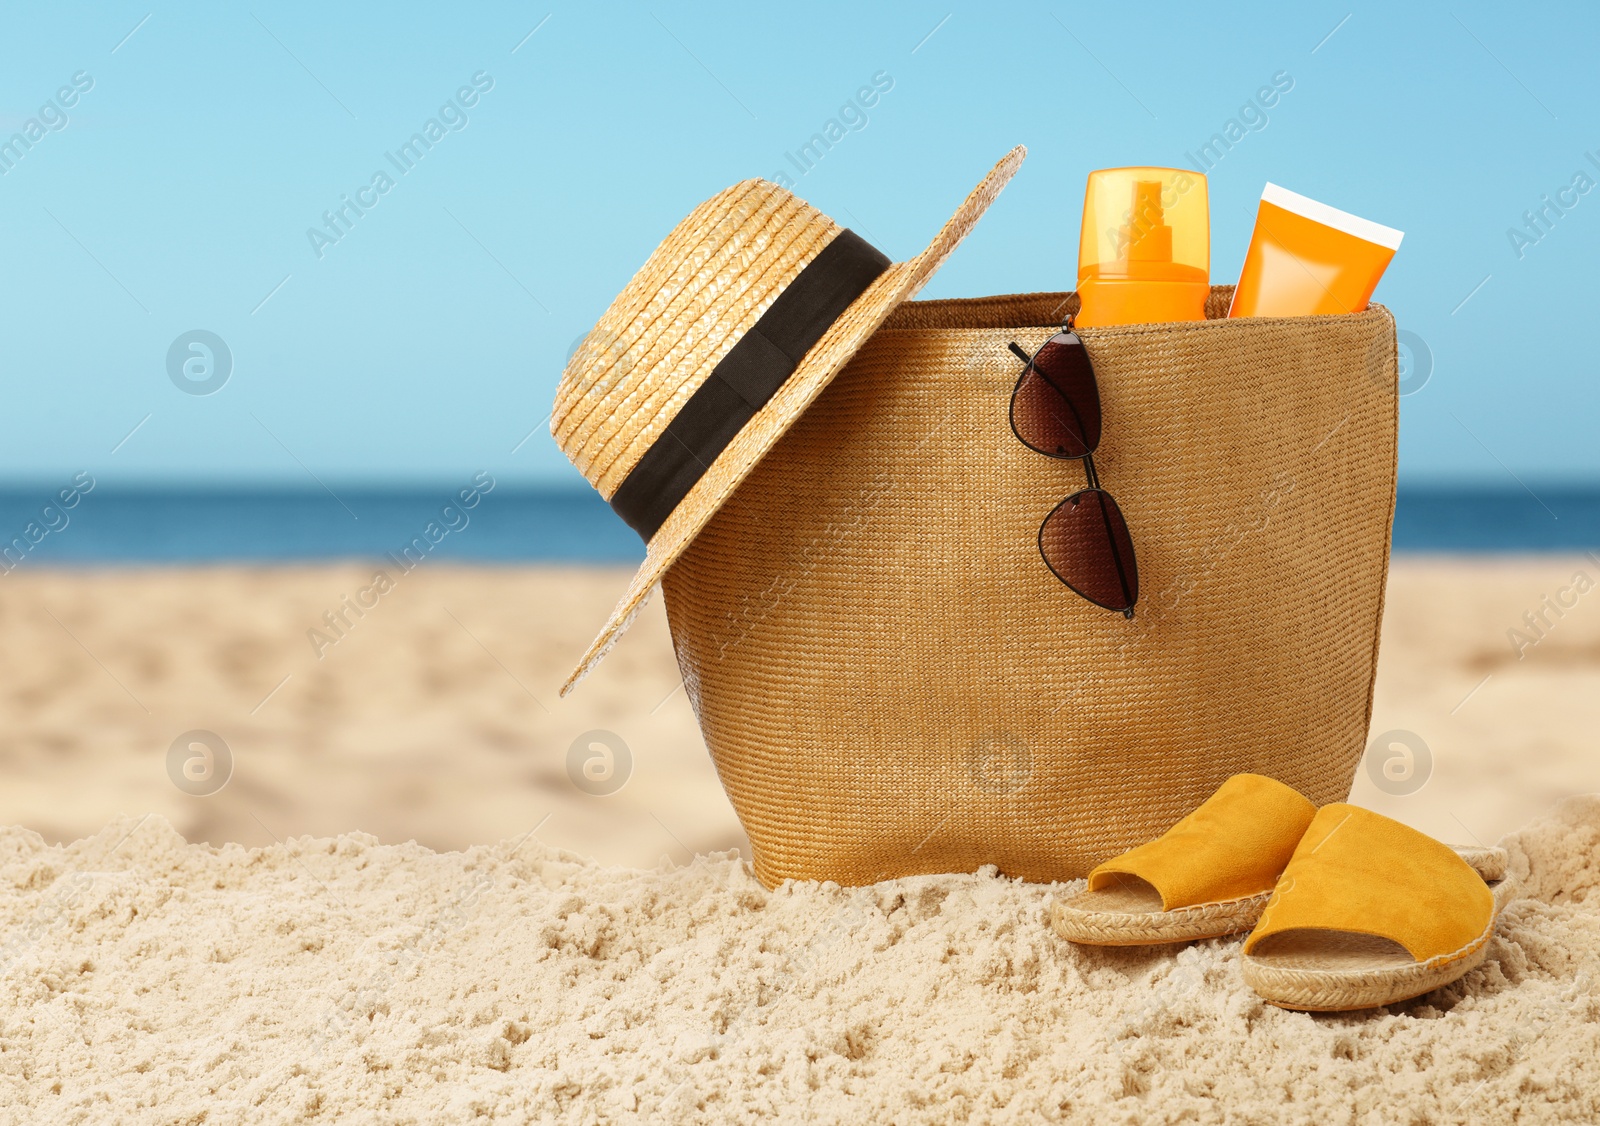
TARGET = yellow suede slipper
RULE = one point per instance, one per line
(1369, 912)
(1210, 875)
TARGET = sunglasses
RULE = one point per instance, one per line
(1055, 411)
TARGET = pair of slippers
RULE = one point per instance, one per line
(1347, 909)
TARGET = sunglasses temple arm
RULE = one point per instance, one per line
(1021, 355)
(1111, 537)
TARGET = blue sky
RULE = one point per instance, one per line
(176, 191)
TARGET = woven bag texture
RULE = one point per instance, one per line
(891, 681)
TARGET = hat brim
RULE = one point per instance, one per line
(898, 284)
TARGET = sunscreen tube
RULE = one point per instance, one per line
(1308, 258)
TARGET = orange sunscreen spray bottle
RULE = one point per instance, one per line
(1145, 251)
(1307, 258)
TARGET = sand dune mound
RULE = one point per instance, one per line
(151, 980)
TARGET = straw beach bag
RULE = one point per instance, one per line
(891, 681)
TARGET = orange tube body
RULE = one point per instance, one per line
(1307, 258)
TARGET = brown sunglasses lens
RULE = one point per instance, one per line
(1085, 541)
(1055, 407)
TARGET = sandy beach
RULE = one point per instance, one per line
(403, 905)
(334, 980)
(435, 717)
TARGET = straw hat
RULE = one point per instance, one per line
(731, 328)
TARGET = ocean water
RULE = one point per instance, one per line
(278, 525)
(1546, 518)
(109, 526)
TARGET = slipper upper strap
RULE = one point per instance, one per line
(1234, 845)
(1362, 873)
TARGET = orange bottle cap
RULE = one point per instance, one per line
(1150, 224)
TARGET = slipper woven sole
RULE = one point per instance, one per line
(1337, 971)
(1488, 862)
(1106, 927)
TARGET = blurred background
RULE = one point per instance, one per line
(259, 338)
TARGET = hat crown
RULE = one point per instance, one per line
(696, 295)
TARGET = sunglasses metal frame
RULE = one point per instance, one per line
(1087, 457)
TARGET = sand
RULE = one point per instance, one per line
(435, 718)
(592, 967)
(150, 980)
